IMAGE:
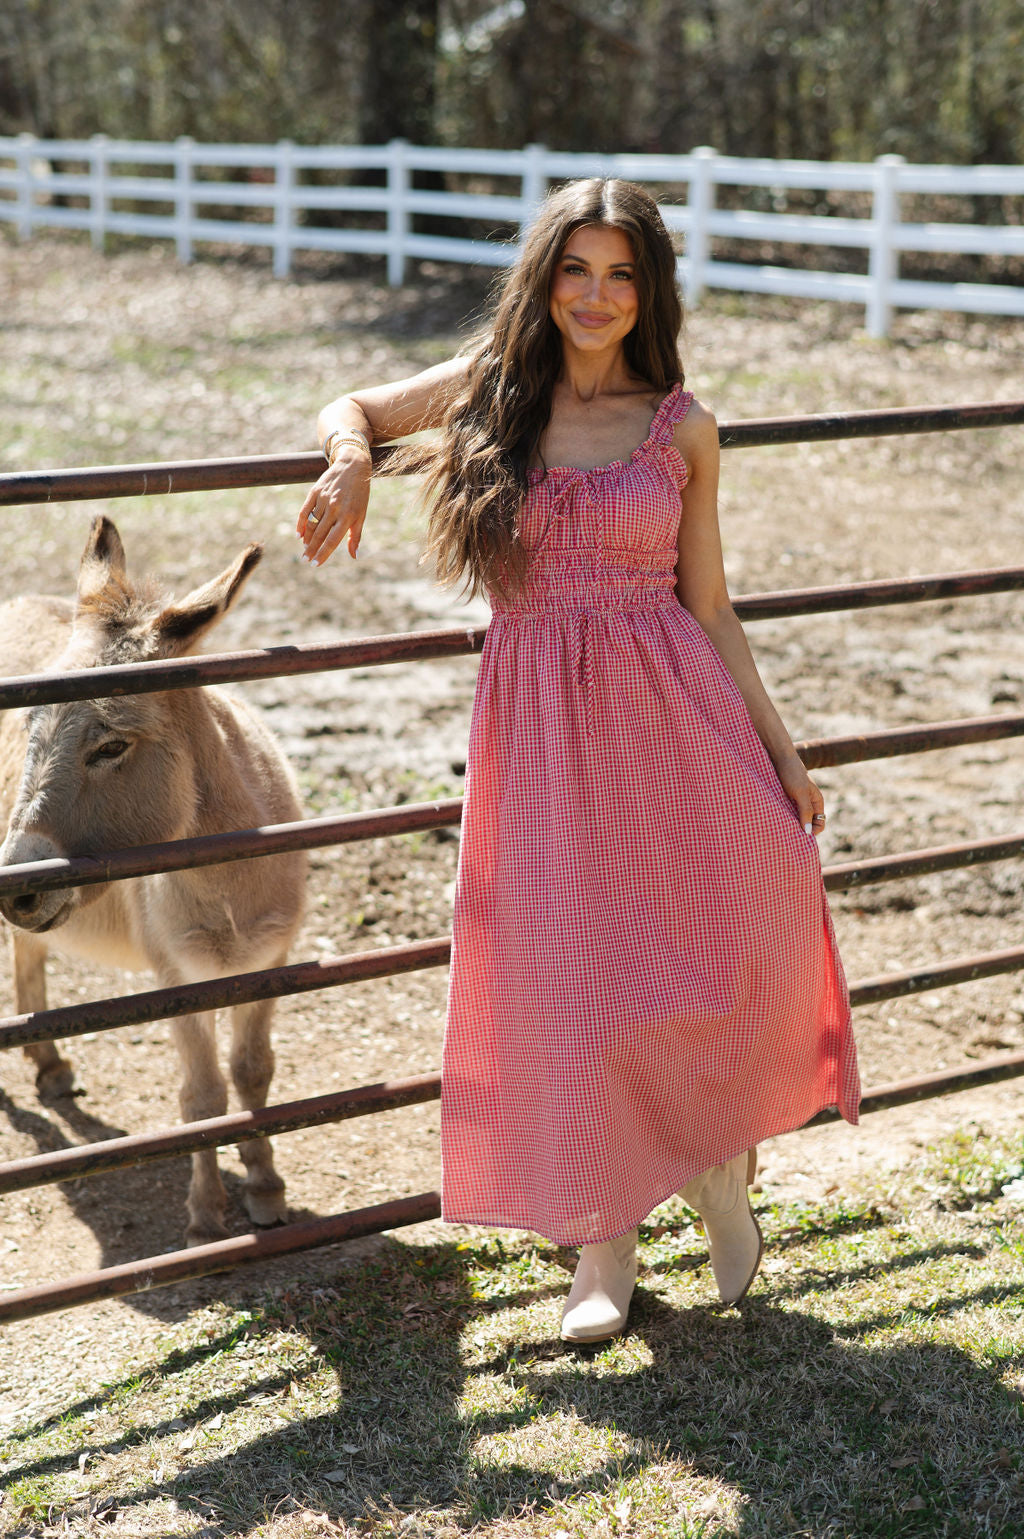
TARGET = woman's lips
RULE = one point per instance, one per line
(586, 318)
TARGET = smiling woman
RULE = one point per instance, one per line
(644, 980)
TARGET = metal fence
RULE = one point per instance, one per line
(289, 198)
(75, 1020)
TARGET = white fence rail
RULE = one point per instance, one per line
(294, 198)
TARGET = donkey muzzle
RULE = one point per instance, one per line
(35, 911)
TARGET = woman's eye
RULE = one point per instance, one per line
(113, 748)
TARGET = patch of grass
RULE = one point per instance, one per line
(871, 1386)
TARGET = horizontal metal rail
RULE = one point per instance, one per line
(84, 1160)
(218, 849)
(68, 1021)
(922, 1087)
(878, 592)
(828, 751)
(349, 827)
(914, 863)
(214, 1132)
(970, 969)
(422, 646)
(217, 993)
(237, 667)
(161, 478)
(759, 432)
(224, 1255)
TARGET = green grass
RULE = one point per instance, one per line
(871, 1386)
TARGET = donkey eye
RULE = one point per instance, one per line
(113, 748)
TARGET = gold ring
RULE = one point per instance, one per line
(311, 521)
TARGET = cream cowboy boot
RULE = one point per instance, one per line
(734, 1237)
(599, 1298)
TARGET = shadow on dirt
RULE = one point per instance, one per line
(136, 1212)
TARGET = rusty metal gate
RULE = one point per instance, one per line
(189, 672)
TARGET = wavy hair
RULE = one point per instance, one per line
(477, 472)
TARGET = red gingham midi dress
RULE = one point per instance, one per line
(645, 979)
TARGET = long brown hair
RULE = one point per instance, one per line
(477, 474)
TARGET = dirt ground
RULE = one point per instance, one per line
(130, 357)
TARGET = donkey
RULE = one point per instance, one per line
(91, 775)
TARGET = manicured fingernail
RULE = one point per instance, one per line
(807, 828)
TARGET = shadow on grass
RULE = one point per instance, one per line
(450, 1411)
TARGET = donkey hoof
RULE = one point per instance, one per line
(205, 1231)
(55, 1082)
(266, 1208)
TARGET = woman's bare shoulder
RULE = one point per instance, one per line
(696, 437)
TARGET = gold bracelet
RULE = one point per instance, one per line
(344, 436)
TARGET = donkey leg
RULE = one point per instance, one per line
(252, 1064)
(203, 1093)
(54, 1074)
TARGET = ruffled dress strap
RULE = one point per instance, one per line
(666, 419)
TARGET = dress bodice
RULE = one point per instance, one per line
(605, 538)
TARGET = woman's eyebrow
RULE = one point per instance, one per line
(570, 256)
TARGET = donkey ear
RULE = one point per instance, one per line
(180, 627)
(102, 561)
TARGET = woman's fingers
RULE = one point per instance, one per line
(306, 509)
(327, 541)
(355, 534)
(333, 510)
(811, 808)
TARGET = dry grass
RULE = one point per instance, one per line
(871, 1386)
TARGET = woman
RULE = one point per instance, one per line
(644, 979)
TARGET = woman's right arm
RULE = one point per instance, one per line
(336, 506)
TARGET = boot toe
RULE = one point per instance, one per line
(593, 1319)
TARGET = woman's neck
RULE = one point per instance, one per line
(588, 375)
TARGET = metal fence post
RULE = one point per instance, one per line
(883, 260)
(284, 181)
(183, 197)
(98, 191)
(698, 241)
(26, 189)
(398, 212)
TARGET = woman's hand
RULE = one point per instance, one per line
(336, 506)
(803, 793)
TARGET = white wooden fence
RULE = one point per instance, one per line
(277, 193)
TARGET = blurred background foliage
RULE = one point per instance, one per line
(934, 80)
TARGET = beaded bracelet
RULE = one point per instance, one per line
(342, 436)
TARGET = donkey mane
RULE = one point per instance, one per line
(123, 613)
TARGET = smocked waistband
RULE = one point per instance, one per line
(559, 596)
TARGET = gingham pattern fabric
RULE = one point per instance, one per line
(644, 974)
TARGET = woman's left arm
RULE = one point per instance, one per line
(701, 588)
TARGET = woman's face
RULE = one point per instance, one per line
(593, 299)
